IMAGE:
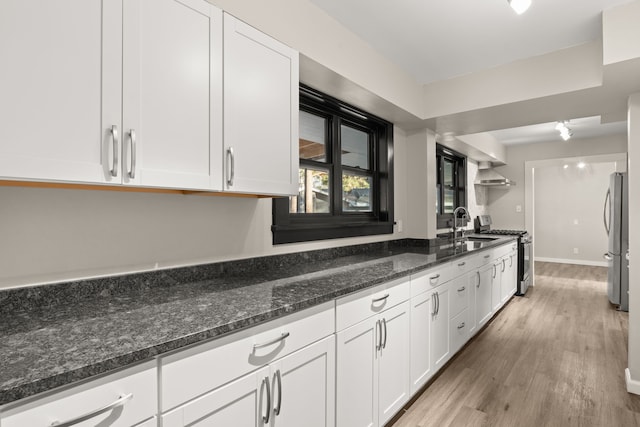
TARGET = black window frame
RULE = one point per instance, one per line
(445, 220)
(305, 227)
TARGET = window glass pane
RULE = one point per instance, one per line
(449, 201)
(355, 147)
(313, 192)
(448, 172)
(356, 193)
(313, 137)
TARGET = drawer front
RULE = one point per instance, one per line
(133, 393)
(430, 279)
(198, 370)
(463, 265)
(459, 331)
(459, 294)
(361, 305)
(484, 258)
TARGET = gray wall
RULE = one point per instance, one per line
(568, 212)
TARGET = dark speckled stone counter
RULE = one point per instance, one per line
(57, 334)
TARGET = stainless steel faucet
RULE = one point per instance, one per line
(466, 215)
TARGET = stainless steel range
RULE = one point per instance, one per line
(482, 225)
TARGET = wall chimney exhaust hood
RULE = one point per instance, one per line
(488, 177)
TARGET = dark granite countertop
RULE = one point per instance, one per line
(54, 335)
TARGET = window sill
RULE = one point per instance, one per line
(305, 233)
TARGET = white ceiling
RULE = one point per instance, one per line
(435, 40)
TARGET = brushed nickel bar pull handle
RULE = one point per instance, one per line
(231, 161)
(132, 137)
(265, 383)
(487, 256)
(385, 333)
(495, 271)
(382, 298)
(115, 138)
(277, 376)
(462, 264)
(436, 277)
(478, 274)
(121, 401)
(461, 289)
(273, 341)
(437, 303)
(503, 265)
(461, 325)
(378, 335)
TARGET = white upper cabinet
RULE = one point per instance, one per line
(172, 94)
(60, 82)
(260, 112)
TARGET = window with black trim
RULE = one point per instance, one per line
(452, 182)
(345, 174)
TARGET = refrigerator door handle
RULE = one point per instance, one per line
(607, 256)
(604, 212)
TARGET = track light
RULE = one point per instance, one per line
(519, 6)
(565, 132)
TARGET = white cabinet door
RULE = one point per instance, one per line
(60, 82)
(440, 346)
(303, 387)
(260, 112)
(496, 287)
(483, 295)
(172, 90)
(245, 402)
(357, 375)
(422, 309)
(393, 364)
(510, 276)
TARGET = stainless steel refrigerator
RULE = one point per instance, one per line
(616, 223)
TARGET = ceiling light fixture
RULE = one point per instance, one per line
(565, 131)
(519, 6)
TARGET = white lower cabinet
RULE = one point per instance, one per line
(281, 373)
(440, 344)
(126, 398)
(509, 281)
(422, 309)
(483, 295)
(293, 391)
(372, 362)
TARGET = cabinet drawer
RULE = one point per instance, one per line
(361, 305)
(459, 330)
(432, 278)
(459, 294)
(132, 391)
(463, 265)
(484, 258)
(200, 369)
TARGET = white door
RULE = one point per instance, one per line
(496, 286)
(394, 384)
(303, 386)
(245, 402)
(421, 312)
(509, 277)
(483, 295)
(260, 112)
(60, 81)
(172, 90)
(440, 347)
(357, 375)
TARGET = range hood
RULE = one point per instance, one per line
(488, 177)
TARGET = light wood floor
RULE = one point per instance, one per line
(555, 357)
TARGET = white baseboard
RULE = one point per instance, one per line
(633, 386)
(573, 261)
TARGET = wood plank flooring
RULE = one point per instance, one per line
(555, 357)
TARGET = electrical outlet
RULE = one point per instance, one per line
(518, 208)
(399, 222)
(575, 251)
